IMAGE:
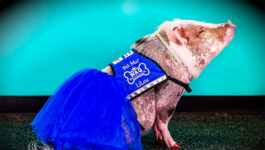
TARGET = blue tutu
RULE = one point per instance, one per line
(89, 111)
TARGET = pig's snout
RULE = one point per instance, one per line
(230, 24)
(229, 33)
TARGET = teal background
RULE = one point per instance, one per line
(42, 43)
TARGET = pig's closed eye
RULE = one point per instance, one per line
(200, 31)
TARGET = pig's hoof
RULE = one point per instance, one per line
(176, 145)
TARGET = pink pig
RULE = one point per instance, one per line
(195, 44)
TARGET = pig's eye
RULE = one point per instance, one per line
(200, 31)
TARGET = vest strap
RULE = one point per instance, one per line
(186, 86)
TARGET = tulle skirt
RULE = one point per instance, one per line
(89, 111)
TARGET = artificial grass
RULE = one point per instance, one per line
(219, 131)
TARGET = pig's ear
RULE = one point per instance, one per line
(177, 37)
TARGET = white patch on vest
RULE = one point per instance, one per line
(136, 72)
(121, 58)
(144, 88)
(117, 60)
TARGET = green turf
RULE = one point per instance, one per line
(191, 131)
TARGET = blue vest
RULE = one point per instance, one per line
(139, 73)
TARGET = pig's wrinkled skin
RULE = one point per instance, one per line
(196, 44)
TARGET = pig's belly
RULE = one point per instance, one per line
(144, 106)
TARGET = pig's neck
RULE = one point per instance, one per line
(188, 60)
(152, 47)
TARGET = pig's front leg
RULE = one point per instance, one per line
(167, 96)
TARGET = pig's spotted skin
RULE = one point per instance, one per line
(195, 50)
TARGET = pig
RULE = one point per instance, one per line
(195, 43)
